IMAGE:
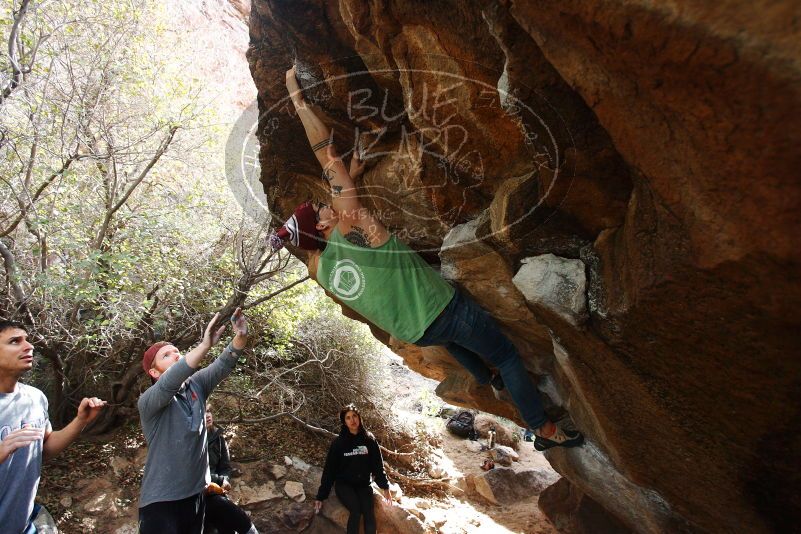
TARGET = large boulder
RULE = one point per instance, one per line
(654, 143)
(505, 485)
(575, 512)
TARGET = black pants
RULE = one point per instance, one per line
(225, 516)
(173, 517)
(359, 502)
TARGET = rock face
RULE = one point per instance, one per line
(555, 283)
(654, 143)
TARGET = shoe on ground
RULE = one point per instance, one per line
(560, 438)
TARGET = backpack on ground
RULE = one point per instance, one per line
(461, 424)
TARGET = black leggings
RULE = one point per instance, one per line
(225, 516)
(173, 517)
(359, 502)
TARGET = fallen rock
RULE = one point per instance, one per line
(44, 523)
(418, 514)
(297, 516)
(436, 471)
(504, 455)
(557, 284)
(277, 471)
(294, 490)
(473, 446)
(66, 502)
(395, 491)
(287, 461)
(102, 502)
(299, 464)
(503, 485)
(119, 464)
(510, 451)
(256, 494)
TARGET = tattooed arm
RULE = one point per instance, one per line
(356, 223)
(343, 191)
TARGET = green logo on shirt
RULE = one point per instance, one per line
(346, 280)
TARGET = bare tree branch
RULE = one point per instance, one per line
(12, 274)
(24, 209)
(101, 234)
(275, 293)
(16, 69)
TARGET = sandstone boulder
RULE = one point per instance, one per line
(297, 516)
(504, 485)
(294, 490)
(572, 511)
(249, 495)
(557, 284)
(670, 171)
(277, 471)
(503, 455)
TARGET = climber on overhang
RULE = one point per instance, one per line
(355, 258)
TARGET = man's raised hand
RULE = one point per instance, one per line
(240, 325)
(89, 409)
(211, 336)
(18, 439)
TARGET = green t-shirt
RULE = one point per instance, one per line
(391, 285)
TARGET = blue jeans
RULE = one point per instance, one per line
(471, 335)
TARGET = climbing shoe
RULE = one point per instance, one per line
(499, 389)
(560, 438)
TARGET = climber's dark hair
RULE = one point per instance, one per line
(352, 408)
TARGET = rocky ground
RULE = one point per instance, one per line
(93, 487)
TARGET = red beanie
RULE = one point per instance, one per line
(300, 230)
(150, 355)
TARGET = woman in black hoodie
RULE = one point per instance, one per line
(354, 455)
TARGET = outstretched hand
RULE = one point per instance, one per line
(293, 87)
(240, 325)
(211, 336)
(89, 409)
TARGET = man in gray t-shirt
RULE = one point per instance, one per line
(172, 412)
(25, 432)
